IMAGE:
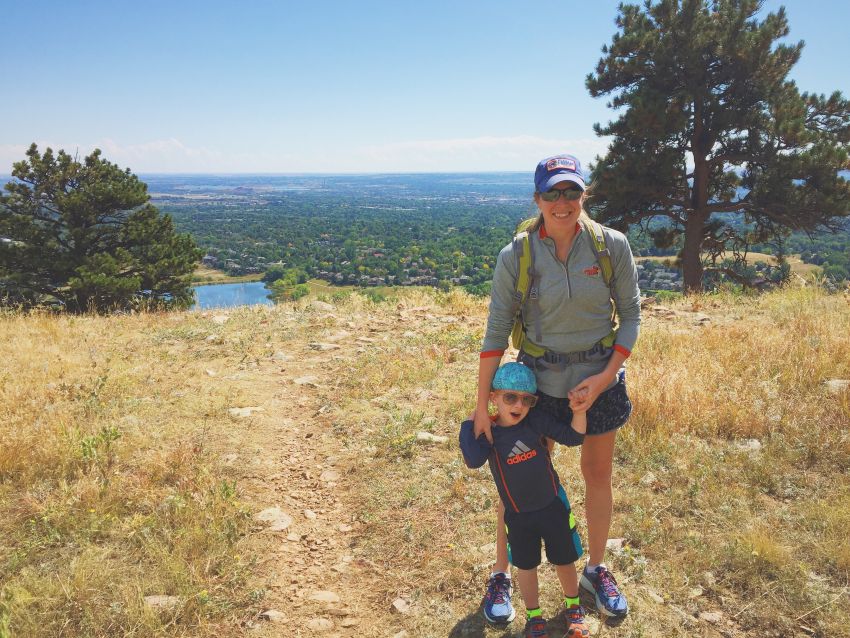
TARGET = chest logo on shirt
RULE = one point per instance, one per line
(520, 453)
(593, 271)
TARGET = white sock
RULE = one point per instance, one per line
(507, 574)
(591, 568)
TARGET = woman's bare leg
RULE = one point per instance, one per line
(597, 459)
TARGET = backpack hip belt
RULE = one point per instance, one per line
(558, 361)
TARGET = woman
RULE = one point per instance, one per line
(571, 317)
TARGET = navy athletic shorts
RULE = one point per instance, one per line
(609, 412)
(554, 525)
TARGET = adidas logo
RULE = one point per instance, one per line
(520, 453)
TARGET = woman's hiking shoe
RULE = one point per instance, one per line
(497, 600)
(576, 627)
(601, 583)
(535, 628)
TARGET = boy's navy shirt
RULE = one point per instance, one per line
(519, 459)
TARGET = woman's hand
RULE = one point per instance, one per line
(585, 393)
(482, 424)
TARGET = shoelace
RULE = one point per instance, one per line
(538, 627)
(609, 584)
(575, 614)
(497, 590)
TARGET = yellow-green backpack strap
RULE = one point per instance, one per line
(603, 255)
(603, 258)
(522, 253)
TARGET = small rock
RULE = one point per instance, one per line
(162, 602)
(329, 476)
(709, 579)
(277, 519)
(696, 592)
(214, 339)
(324, 597)
(230, 459)
(308, 380)
(655, 596)
(322, 305)
(241, 413)
(324, 347)
(339, 336)
(210, 373)
(310, 514)
(320, 624)
(489, 548)
(401, 605)
(220, 319)
(648, 479)
(749, 445)
(401, 634)
(345, 528)
(293, 538)
(281, 356)
(427, 437)
(349, 622)
(616, 545)
(837, 386)
(713, 617)
(273, 615)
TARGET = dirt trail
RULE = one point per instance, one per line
(283, 453)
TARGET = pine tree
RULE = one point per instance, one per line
(710, 124)
(84, 236)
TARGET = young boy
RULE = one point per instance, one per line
(531, 492)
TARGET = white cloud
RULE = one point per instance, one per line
(489, 153)
(473, 154)
(166, 156)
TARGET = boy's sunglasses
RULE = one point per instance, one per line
(569, 194)
(528, 400)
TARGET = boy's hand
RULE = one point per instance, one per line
(585, 393)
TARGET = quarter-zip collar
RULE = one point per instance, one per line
(544, 235)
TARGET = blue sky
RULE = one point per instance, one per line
(367, 86)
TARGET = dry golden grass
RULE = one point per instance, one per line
(731, 479)
(108, 492)
(798, 266)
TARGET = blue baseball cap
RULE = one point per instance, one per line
(557, 169)
(515, 376)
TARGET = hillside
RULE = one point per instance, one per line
(138, 452)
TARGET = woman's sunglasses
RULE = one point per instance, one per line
(528, 400)
(569, 194)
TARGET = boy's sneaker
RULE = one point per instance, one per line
(497, 600)
(535, 628)
(601, 583)
(576, 627)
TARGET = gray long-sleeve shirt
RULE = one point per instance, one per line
(574, 306)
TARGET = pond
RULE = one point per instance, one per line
(250, 293)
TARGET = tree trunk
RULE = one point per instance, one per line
(691, 257)
(691, 261)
